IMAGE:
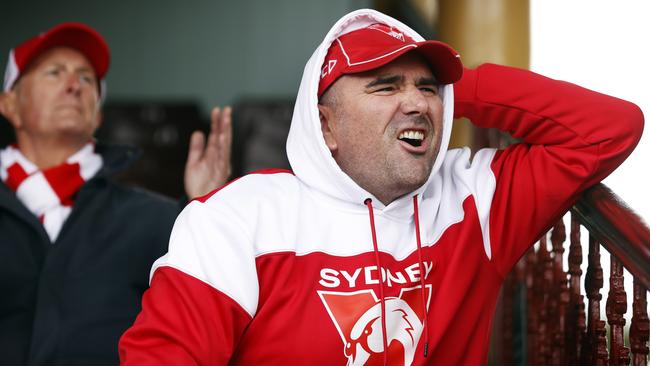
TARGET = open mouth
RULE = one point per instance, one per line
(412, 137)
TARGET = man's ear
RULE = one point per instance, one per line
(326, 114)
(8, 108)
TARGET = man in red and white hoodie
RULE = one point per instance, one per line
(382, 247)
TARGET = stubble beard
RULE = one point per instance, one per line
(399, 176)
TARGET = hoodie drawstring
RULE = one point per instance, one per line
(425, 329)
(382, 300)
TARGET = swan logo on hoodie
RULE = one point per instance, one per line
(357, 317)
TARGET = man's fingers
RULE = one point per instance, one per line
(215, 115)
(215, 128)
(197, 144)
(225, 134)
(219, 140)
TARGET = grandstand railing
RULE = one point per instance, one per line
(543, 318)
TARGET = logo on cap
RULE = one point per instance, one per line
(327, 68)
(391, 31)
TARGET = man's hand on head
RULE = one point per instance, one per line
(208, 162)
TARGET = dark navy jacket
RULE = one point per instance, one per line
(68, 302)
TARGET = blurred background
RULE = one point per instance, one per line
(172, 61)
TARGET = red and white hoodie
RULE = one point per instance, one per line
(280, 269)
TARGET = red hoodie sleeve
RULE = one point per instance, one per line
(572, 138)
(183, 321)
(189, 314)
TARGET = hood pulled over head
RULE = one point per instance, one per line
(309, 156)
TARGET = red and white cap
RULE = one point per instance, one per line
(378, 44)
(74, 35)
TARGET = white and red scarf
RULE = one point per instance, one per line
(48, 194)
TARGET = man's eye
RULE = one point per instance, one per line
(385, 89)
(429, 89)
(53, 72)
(87, 79)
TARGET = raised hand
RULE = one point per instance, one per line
(208, 162)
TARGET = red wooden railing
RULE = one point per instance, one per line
(557, 329)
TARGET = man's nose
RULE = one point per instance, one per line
(414, 101)
(73, 83)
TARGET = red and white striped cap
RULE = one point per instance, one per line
(378, 44)
(74, 35)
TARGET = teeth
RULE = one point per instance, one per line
(412, 135)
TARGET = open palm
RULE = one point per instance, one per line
(208, 161)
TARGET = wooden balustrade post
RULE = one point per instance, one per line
(559, 332)
(595, 345)
(576, 308)
(532, 308)
(560, 294)
(544, 285)
(616, 307)
(640, 327)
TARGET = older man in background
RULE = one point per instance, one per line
(75, 247)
